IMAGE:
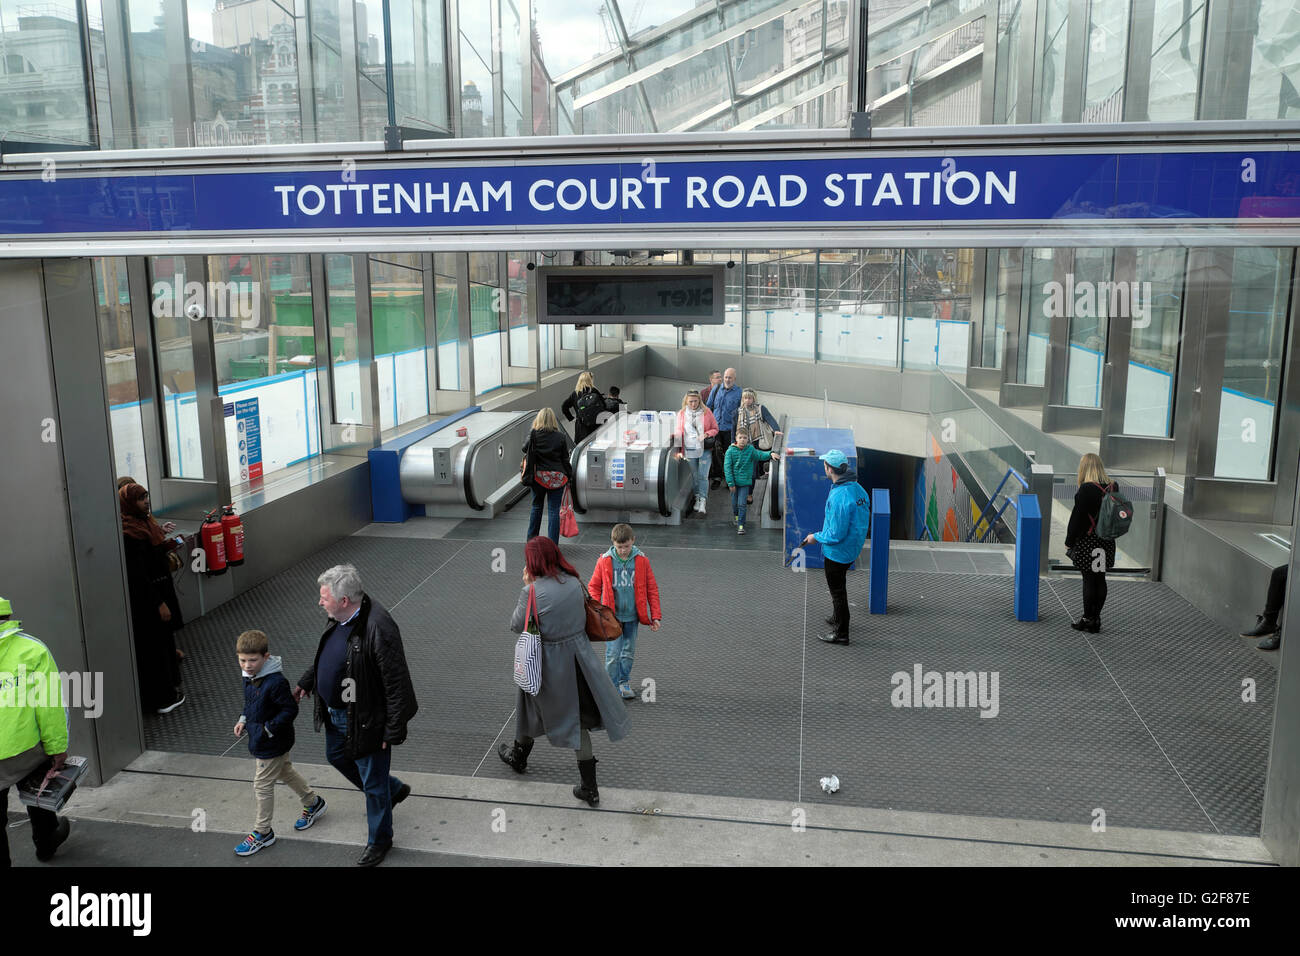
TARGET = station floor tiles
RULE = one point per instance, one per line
(1145, 721)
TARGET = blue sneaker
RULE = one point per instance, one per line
(625, 689)
(255, 841)
(309, 814)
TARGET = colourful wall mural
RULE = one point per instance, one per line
(942, 507)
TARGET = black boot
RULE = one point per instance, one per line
(516, 755)
(1265, 624)
(1086, 624)
(587, 789)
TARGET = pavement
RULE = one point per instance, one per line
(170, 809)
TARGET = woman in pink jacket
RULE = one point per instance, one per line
(697, 429)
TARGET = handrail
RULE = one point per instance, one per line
(1008, 501)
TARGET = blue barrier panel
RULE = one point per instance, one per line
(879, 550)
(1028, 524)
(806, 486)
(386, 501)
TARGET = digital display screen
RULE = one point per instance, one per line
(589, 297)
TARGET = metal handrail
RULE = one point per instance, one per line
(1008, 501)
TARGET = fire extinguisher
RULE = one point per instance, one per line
(214, 545)
(233, 528)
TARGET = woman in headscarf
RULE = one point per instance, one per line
(155, 612)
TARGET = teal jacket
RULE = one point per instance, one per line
(738, 466)
(31, 695)
(844, 527)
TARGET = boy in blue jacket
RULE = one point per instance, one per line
(269, 713)
(843, 533)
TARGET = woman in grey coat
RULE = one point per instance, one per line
(576, 695)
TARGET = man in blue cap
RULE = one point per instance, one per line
(843, 533)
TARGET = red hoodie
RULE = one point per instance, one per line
(601, 587)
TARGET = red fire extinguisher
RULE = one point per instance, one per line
(214, 545)
(233, 527)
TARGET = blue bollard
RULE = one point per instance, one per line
(879, 549)
(1028, 524)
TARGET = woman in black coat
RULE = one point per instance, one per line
(1091, 555)
(547, 471)
(155, 612)
(586, 403)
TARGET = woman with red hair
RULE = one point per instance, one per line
(576, 695)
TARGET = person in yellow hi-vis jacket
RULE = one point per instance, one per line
(33, 728)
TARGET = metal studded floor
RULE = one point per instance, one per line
(1145, 721)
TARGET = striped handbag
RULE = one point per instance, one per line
(528, 649)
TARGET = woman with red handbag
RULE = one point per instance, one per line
(546, 471)
(575, 696)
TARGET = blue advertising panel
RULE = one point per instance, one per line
(807, 487)
(841, 190)
(248, 435)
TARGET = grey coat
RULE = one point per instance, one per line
(561, 707)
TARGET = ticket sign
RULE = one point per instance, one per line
(619, 295)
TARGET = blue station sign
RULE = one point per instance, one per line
(845, 191)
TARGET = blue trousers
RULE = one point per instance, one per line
(369, 774)
(619, 652)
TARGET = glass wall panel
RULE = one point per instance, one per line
(175, 364)
(1007, 83)
(512, 71)
(42, 77)
(333, 122)
(371, 78)
(151, 76)
(397, 310)
(1103, 95)
(726, 336)
(1177, 35)
(997, 293)
(521, 355)
(858, 306)
(1153, 347)
(1035, 322)
(419, 64)
(1275, 62)
(476, 74)
(341, 285)
(99, 70)
(1090, 300)
(447, 310)
(565, 40)
(936, 307)
(116, 337)
(266, 357)
(781, 302)
(1252, 365)
(244, 73)
(487, 300)
(1050, 81)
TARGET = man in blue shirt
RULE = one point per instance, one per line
(724, 400)
(843, 533)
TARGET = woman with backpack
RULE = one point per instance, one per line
(546, 471)
(586, 403)
(1091, 554)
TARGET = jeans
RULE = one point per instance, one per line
(738, 506)
(1094, 593)
(700, 472)
(44, 824)
(836, 574)
(618, 653)
(368, 774)
(553, 497)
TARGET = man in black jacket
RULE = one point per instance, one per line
(364, 699)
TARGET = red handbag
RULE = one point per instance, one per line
(568, 520)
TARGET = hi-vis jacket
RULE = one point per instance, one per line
(31, 695)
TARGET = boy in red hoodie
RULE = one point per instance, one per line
(623, 581)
